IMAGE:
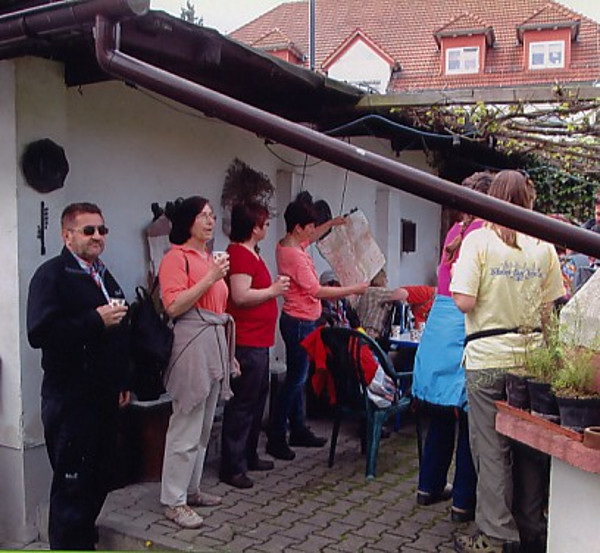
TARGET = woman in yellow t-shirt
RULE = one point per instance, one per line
(505, 282)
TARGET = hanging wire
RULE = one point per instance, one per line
(303, 172)
(344, 192)
(267, 145)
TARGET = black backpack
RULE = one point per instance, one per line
(151, 343)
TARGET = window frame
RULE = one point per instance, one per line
(547, 45)
(462, 59)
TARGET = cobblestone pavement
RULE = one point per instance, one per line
(300, 506)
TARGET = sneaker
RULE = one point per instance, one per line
(240, 481)
(261, 465)
(425, 498)
(203, 499)
(304, 437)
(480, 543)
(280, 450)
(184, 516)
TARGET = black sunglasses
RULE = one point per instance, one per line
(89, 230)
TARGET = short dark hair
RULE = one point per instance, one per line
(244, 217)
(300, 212)
(72, 210)
(182, 214)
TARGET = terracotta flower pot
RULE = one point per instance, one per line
(591, 437)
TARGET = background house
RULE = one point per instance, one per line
(127, 148)
(435, 45)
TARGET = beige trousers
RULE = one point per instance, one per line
(185, 449)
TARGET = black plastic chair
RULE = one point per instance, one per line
(345, 366)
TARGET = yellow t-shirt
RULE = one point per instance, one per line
(510, 285)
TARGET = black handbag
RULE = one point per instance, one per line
(151, 344)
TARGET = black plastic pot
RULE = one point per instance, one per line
(517, 394)
(542, 400)
(578, 413)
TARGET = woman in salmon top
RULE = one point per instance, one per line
(194, 295)
(301, 309)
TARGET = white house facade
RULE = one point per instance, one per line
(127, 149)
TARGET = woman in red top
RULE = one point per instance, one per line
(253, 306)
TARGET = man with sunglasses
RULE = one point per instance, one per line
(72, 318)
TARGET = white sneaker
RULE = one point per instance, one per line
(184, 516)
(203, 499)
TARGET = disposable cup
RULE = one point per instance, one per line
(218, 255)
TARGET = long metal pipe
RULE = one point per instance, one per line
(393, 173)
(63, 16)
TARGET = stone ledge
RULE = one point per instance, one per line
(544, 436)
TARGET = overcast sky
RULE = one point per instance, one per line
(228, 15)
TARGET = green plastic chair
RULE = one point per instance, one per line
(344, 364)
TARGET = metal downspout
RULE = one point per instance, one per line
(395, 174)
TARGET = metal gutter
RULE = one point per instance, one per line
(395, 174)
(64, 16)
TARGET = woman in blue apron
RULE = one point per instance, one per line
(439, 384)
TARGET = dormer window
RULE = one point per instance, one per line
(462, 60)
(547, 55)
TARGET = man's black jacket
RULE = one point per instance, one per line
(80, 356)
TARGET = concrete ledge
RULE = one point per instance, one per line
(545, 436)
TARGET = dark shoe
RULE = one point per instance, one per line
(462, 515)
(480, 543)
(304, 437)
(424, 498)
(280, 450)
(261, 465)
(238, 481)
(536, 546)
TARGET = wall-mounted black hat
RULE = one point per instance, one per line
(44, 165)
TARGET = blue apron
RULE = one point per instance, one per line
(439, 376)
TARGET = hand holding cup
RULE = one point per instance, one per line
(281, 284)
(221, 261)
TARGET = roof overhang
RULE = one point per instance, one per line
(572, 25)
(196, 53)
(488, 32)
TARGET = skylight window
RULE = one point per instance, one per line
(547, 55)
(462, 60)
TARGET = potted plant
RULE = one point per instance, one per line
(517, 393)
(575, 389)
(542, 363)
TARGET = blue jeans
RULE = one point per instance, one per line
(437, 456)
(289, 402)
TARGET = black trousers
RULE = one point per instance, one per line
(80, 439)
(242, 417)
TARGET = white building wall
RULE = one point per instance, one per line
(127, 149)
(361, 65)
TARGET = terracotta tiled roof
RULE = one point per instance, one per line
(358, 34)
(405, 29)
(273, 40)
(465, 23)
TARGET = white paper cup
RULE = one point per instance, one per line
(116, 302)
(396, 331)
(218, 255)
